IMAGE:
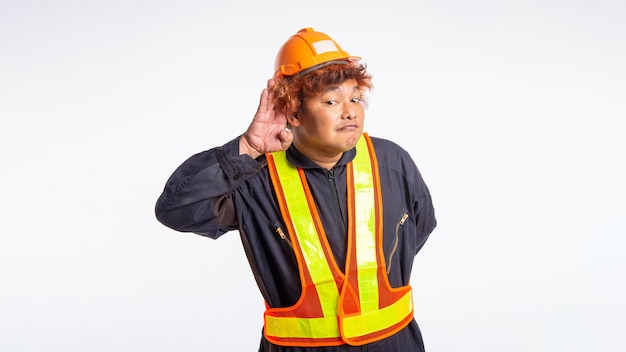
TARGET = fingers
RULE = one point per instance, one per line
(271, 83)
(263, 101)
(270, 93)
(266, 102)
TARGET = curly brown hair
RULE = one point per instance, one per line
(290, 92)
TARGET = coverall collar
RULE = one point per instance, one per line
(298, 159)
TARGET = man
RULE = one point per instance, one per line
(330, 218)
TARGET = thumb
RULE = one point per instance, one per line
(286, 137)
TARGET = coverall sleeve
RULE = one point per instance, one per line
(198, 192)
(424, 212)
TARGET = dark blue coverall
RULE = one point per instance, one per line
(218, 190)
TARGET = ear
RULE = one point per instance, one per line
(293, 120)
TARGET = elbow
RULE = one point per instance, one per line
(164, 216)
(196, 217)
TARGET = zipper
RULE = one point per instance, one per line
(282, 235)
(395, 244)
(333, 184)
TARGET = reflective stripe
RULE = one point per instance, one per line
(292, 327)
(373, 321)
(365, 221)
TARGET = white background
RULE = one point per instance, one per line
(513, 111)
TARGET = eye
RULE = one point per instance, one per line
(356, 100)
(330, 102)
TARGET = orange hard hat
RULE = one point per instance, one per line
(306, 50)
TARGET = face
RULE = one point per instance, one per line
(329, 123)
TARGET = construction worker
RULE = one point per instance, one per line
(330, 218)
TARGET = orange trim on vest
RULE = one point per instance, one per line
(359, 307)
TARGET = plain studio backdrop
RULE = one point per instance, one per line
(513, 111)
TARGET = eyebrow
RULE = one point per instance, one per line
(356, 87)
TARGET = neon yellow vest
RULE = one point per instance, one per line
(334, 308)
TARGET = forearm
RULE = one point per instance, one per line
(187, 201)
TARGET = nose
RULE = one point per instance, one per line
(349, 112)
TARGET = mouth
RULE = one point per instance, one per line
(349, 128)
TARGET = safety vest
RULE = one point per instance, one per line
(334, 308)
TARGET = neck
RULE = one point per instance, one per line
(326, 161)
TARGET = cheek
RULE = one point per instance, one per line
(361, 110)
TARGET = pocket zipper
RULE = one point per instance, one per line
(395, 245)
(282, 235)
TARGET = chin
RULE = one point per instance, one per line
(351, 142)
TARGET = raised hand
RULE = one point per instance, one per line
(268, 131)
